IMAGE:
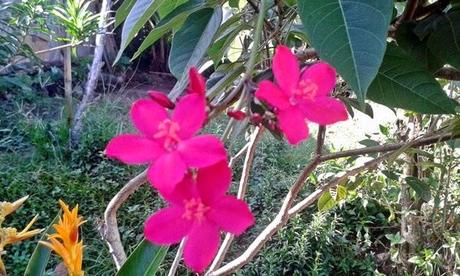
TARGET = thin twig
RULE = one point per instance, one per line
(248, 161)
(256, 9)
(391, 147)
(239, 154)
(310, 199)
(175, 264)
(286, 212)
(249, 69)
(408, 13)
(109, 230)
(280, 219)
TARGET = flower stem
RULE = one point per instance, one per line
(175, 264)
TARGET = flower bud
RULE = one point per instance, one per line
(236, 114)
(161, 99)
(197, 84)
(256, 118)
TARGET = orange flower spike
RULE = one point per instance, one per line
(65, 241)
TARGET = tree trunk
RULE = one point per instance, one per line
(410, 224)
(93, 74)
(68, 84)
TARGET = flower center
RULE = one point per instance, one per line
(195, 209)
(168, 130)
(306, 91)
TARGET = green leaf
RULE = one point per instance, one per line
(341, 193)
(122, 11)
(224, 76)
(420, 187)
(158, 32)
(140, 13)
(174, 20)
(416, 47)
(190, 43)
(351, 103)
(218, 49)
(169, 6)
(444, 41)
(290, 3)
(39, 259)
(403, 82)
(233, 3)
(326, 201)
(350, 35)
(144, 261)
(369, 143)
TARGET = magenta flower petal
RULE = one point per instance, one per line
(231, 214)
(201, 246)
(271, 94)
(293, 125)
(146, 115)
(213, 181)
(166, 226)
(197, 82)
(286, 68)
(133, 149)
(325, 111)
(323, 75)
(183, 190)
(202, 151)
(190, 114)
(166, 172)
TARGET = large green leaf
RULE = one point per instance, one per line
(137, 17)
(190, 43)
(39, 259)
(173, 21)
(169, 6)
(144, 261)
(416, 47)
(350, 35)
(122, 11)
(404, 82)
(420, 187)
(445, 39)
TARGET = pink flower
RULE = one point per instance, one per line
(167, 142)
(298, 97)
(198, 209)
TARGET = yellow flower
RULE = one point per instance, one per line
(65, 241)
(10, 235)
(6, 208)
